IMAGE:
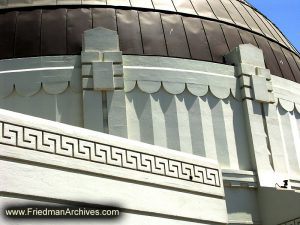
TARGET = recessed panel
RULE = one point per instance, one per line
(184, 6)
(154, 42)
(292, 63)
(232, 36)
(203, 8)
(54, 43)
(129, 32)
(216, 39)
(78, 21)
(247, 37)
(282, 61)
(175, 36)
(28, 33)
(234, 14)
(163, 5)
(7, 31)
(219, 10)
(197, 39)
(249, 20)
(103, 17)
(270, 60)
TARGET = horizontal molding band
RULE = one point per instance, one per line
(209, 9)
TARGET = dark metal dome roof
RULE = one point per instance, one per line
(195, 29)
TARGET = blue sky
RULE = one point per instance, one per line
(285, 14)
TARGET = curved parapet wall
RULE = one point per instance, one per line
(201, 30)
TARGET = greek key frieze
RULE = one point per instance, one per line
(60, 144)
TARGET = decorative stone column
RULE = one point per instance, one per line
(260, 114)
(102, 82)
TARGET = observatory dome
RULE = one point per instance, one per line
(192, 29)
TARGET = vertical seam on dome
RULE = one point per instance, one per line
(224, 37)
(296, 62)
(264, 54)
(273, 27)
(163, 29)
(240, 14)
(288, 63)
(187, 41)
(15, 33)
(173, 5)
(265, 25)
(225, 40)
(282, 75)
(298, 66)
(227, 12)
(67, 30)
(212, 10)
(92, 16)
(238, 30)
(278, 32)
(212, 59)
(193, 7)
(253, 20)
(41, 28)
(116, 16)
(90, 20)
(141, 31)
(152, 4)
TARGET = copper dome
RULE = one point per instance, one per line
(193, 29)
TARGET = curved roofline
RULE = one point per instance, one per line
(284, 42)
(207, 32)
(254, 8)
(167, 12)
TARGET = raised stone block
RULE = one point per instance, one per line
(247, 54)
(119, 82)
(100, 39)
(87, 83)
(252, 55)
(103, 76)
(118, 69)
(271, 98)
(245, 69)
(86, 70)
(245, 81)
(115, 57)
(270, 86)
(260, 89)
(263, 72)
(88, 57)
(246, 93)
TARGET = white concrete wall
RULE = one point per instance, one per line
(288, 116)
(205, 126)
(128, 218)
(188, 106)
(46, 87)
(41, 159)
